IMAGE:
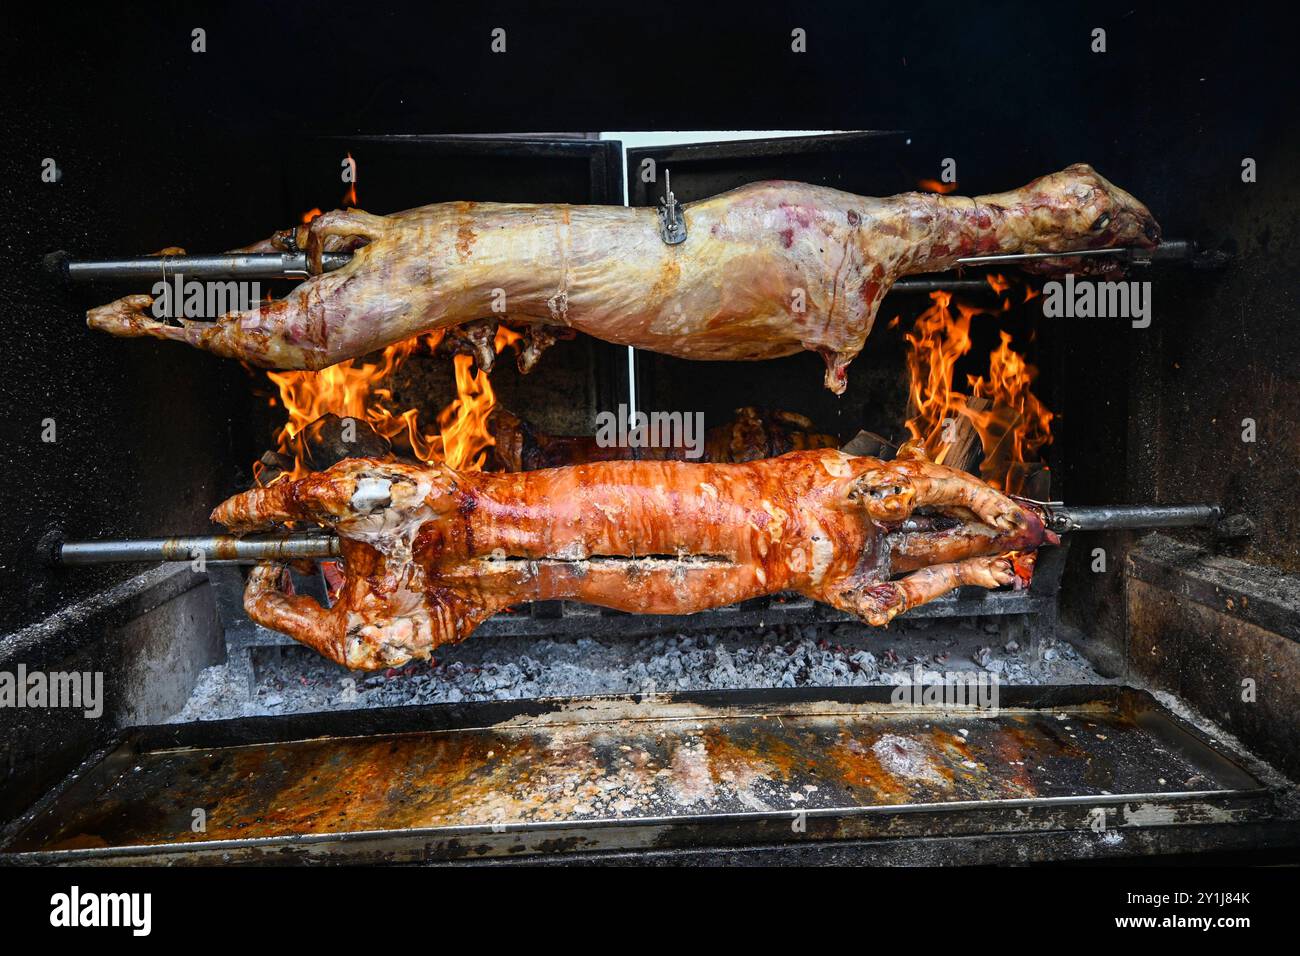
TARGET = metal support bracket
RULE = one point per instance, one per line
(672, 224)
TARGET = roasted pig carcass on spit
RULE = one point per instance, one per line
(429, 552)
(766, 270)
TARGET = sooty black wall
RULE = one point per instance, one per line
(143, 433)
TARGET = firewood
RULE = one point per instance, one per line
(330, 439)
(870, 445)
(963, 452)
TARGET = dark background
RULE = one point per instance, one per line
(159, 145)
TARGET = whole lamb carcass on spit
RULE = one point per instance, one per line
(429, 553)
(766, 270)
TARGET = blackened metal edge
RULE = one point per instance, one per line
(99, 761)
(57, 636)
(639, 193)
(474, 715)
(1029, 816)
(1180, 569)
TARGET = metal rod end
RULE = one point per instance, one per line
(49, 549)
(56, 264)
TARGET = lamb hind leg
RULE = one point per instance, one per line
(232, 335)
(346, 226)
(249, 334)
(878, 604)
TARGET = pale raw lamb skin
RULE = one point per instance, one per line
(766, 270)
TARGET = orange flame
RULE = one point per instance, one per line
(350, 197)
(463, 438)
(506, 338)
(360, 389)
(1014, 426)
(934, 186)
(997, 283)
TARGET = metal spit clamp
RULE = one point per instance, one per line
(1186, 252)
(672, 224)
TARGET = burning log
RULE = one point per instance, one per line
(963, 451)
(870, 445)
(330, 439)
(363, 390)
(1034, 480)
(272, 466)
(960, 451)
(325, 442)
(1000, 414)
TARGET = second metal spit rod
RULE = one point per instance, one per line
(291, 265)
(1062, 519)
(214, 548)
(223, 548)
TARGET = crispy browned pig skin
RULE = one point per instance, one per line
(767, 269)
(430, 553)
(753, 434)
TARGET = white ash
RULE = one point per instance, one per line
(837, 655)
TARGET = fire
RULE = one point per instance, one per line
(1012, 425)
(934, 186)
(463, 438)
(360, 389)
(507, 338)
(997, 283)
(350, 197)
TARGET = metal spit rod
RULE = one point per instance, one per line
(215, 549)
(1129, 517)
(227, 265)
(293, 265)
(225, 548)
(1169, 250)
